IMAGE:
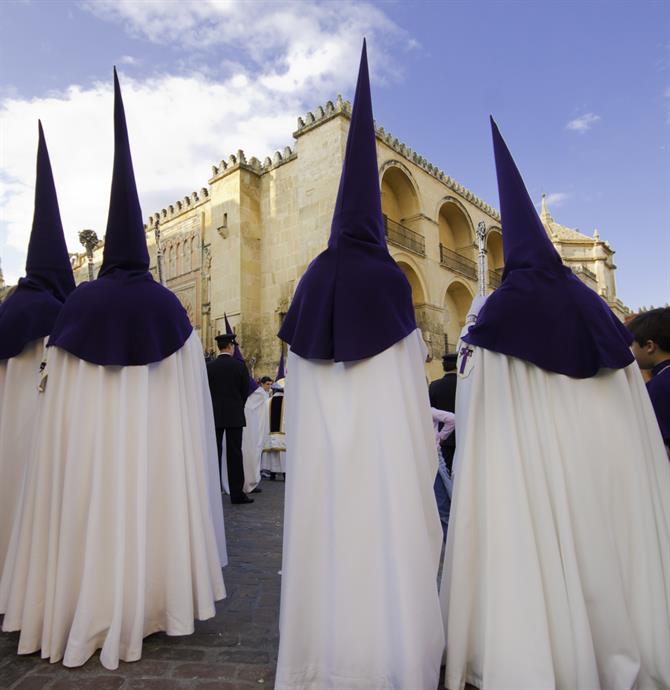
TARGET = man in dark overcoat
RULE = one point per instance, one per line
(229, 387)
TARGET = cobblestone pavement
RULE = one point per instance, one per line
(235, 650)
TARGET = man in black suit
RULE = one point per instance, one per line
(442, 394)
(229, 386)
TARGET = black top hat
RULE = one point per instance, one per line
(225, 339)
(449, 361)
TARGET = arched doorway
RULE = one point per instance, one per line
(418, 293)
(399, 198)
(457, 300)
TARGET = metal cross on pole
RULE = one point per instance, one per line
(481, 241)
(89, 241)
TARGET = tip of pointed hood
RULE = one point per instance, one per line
(125, 242)
(574, 332)
(338, 311)
(47, 261)
(229, 330)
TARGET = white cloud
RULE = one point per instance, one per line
(179, 125)
(583, 123)
(128, 60)
(292, 43)
(556, 199)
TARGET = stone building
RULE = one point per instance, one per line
(240, 244)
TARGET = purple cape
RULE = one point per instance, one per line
(124, 317)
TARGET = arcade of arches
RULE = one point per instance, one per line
(437, 255)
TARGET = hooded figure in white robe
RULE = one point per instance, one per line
(557, 572)
(253, 437)
(120, 532)
(26, 319)
(362, 537)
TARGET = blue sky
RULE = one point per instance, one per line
(580, 90)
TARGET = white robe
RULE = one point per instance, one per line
(273, 459)
(120, 532)
(19, 378)
(557, 572)
(362, 536)
(253, 437)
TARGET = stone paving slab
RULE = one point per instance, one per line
(235, 650)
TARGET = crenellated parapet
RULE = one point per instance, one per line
(177, 208)
(341, 107)
(253, 164)
(321, 114)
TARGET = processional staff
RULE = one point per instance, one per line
(481, 241)
(159, 252)
(89, 240)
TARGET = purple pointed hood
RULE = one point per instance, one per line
(31, 311)
(353, 301)
(237, 354)
(124, 317)
(542, 312)
(281, 374)
(125, 242)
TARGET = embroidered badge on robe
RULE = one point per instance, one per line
(465, 362)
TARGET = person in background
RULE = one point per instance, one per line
(266, 384)
(651, 348)
(443, 426)
(273, 459)
(442, 394)
(229, 387)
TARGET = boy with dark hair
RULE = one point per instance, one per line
(651, 347)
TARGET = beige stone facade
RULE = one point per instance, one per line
(240, 245)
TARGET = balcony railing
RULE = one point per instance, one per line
(398, 234)
(459, 264)
(495, 278)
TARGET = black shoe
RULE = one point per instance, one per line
(257, 490)
(242, 499)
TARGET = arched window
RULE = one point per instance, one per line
(400, 206)
(457, 242)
